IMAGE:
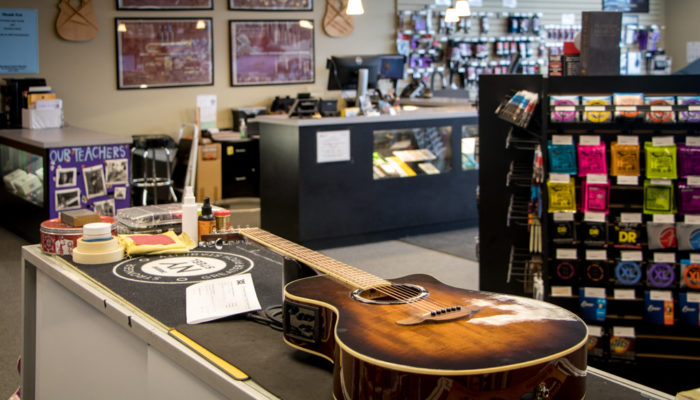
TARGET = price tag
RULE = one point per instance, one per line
(563, 216)
(594, 292)
(693, 141)
(623, 331)
(628, 180)
(664, 218)
(589, 140)
(660, 295)
(566, 254)
(624, 294)
(661, 182)
(693, 297)
(563, 139)
(559, 178)
(662, 141)
(626, 108)
(694, 180)
(595, 331)
(631, 218)
(631, 255)
(692, 219)
(564, 108)
(562, 291)
(693, 108)
(600, 179)
(594, 217)
(664, 257)
(660, 108)
(594, 108)
(628, 140)
(596, 255)
(695, 258)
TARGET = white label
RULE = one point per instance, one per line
(595, 331)
(661, 182)
(692, 219)
(600, 179)
(563, 216)
(660, 295)
(589, 140)
(623, 331)
(662, 141)
(332, 146)
(628, 140)
(631, 218)
(594, 292)
(628, 180)
(664, 257)
(596, 254)
(566, 254)
(694, 180)
(594, 108)
(559, 178)
(568, 19)
(695, 258)
(631, 255)
(692, 141)
(693, 297)
(693, 108)
(664, 218)
(562, 291)
(562, 139)
(661, 108)
(626, 108)
(218, 298)
(624, 294)
(594, 217)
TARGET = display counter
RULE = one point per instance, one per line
(88, 334)
(335, 181)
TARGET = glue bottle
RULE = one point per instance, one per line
(207, 220)
(189, 214)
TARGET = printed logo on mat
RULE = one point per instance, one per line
(195, 266)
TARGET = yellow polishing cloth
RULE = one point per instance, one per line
(161, 243)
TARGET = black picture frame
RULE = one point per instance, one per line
(270, 5)
(271, 52)
(155, 5)
(164, 52)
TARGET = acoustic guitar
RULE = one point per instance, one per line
(417, 338)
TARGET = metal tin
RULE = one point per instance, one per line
(58, 238)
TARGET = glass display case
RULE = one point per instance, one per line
(402, 153)
(470, 147)
(22, 174)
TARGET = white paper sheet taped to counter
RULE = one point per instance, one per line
(219, 298)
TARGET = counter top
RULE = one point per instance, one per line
(419, 114)
(68, 136)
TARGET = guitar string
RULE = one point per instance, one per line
(400, 293)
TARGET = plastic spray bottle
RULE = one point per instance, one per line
(189, 214)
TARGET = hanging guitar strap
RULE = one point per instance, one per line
(76, 23)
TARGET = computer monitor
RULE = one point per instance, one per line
(343, 71)
(392, 66)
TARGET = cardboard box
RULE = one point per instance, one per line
(42, 118)
(208, 181)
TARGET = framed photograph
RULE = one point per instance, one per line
(271, 52)
(66, 177)
(165, 4)
(94, 180)
(271, 5)
(117, 171)
(104, 207)
(67, 199)
(120, 193)
(164, 52)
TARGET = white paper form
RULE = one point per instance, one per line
(218, 298)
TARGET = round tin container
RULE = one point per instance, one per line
(58, 238)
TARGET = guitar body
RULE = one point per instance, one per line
(494, 346)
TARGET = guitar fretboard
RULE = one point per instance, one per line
(341, 271)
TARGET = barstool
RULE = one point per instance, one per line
(151, 145)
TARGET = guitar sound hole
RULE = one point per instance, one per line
(394, 294)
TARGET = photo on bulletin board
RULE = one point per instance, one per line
(634, 6)
(66, 177)
(165, 4)
(164, 52)
(104, 207)
(67, 199)
(117, 171)
(271, 5)
(271, 52)
(94, 181)
(120, 193)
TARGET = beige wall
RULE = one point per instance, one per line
(681, 27)
(83, 74)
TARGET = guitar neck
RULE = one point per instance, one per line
(322, 263)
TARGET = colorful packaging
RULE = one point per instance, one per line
(658, 311)
(688, 160)
(690, 275)
(689, 308)
(627, 235)
(661, 275)
(658, 198)
(562, 196)
(595, 234)
(627, 105)
(628, 273)
(592, 308)
(563, 108)
(563, 232)
(688, 236)
(660, 109)
(596, 272)
(592, 160)
(688, 198)
(596, 109)
(660, 161)
(595, 197)
(624, 159)
(562, 158)
(689, 108)
(661, 236)
(622, 347)
(565, 270)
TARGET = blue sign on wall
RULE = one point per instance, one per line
(19, 44)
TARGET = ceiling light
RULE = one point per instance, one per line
(201, 24)
(463, 9)
(355, 8)
(306, 24)
(451, 15)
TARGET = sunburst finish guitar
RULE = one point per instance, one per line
(416, 338)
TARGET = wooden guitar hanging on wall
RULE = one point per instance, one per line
(336, 23)
(76, 23)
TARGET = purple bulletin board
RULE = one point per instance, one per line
(93, 177)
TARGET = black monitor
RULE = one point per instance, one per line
(343, 71)
(392, 66)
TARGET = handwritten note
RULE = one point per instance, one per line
(219, 298)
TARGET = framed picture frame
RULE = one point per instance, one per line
(67, 199)
(164, 52)
(165, 5)
(66, 177)
(271, 52)
(271, 5)
(94, 181)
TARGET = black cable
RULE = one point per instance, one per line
(271, 316)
